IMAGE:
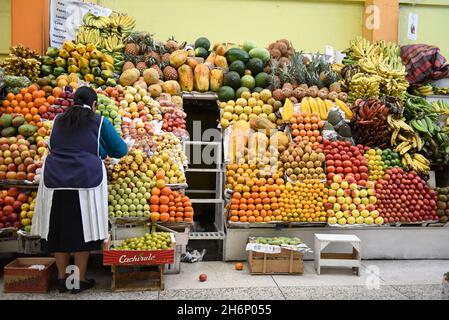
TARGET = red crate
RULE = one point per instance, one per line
(113, 257)
(18, 278)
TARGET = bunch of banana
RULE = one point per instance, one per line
(87, 35)
(417, 162)
(317, 105)
(426, 90)
(364, 86)
(403, 137)
(113, 44)
(122, 23)
(92, 20)
(441, 90)
(425, 126)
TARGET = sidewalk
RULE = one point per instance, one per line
(398, 280)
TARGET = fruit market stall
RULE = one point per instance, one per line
(305, 144)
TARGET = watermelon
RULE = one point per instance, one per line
(261, 53)
(226, 93)
(235, 54)
(248, 81)
(262, 80)
(238, 66)
(249, 45)
(202, 42)
(232, 79)
(255, 65)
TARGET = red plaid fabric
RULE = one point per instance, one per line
(423, 63)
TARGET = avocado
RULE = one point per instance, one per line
(334, 117)
(345, 131)
(5, 120)
(328, 126)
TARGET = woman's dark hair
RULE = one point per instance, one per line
(78, 116)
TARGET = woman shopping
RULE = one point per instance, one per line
(71, 211)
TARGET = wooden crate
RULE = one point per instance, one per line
(18, 278)
(285, 262)
(137, 278)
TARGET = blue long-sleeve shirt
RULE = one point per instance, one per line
(111, 144)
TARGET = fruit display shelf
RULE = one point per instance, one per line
(383, 242)
(273, 225)
(199, 95)
(19, 184)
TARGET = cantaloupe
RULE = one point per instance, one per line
(155, 90)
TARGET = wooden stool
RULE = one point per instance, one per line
(353, 259)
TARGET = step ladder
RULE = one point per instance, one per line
(215, 196)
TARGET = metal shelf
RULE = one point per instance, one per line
(218, 235)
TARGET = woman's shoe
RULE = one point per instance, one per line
(62, 288)
(84, 285)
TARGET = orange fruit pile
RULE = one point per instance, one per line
(170, 206)
(306, 127)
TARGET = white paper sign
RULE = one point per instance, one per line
(67, 16)
(412, 26)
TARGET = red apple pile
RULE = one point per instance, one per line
(346, 160)
(173, 116)
(11, 201)
(136, 129)
(405, 197)
(17, 159)
(61, 104)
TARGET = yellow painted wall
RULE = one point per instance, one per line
(310, 25)
(433, 25)
(5, 27)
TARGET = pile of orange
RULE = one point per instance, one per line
(303, 201)
(290, 202)
(240, 174)
(29, 102)
(256, 201)
(170, 206)
(306, 127)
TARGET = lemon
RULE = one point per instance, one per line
(243, 117)
(252, 102)
(246, 95)
(231, 103)
(224, 123)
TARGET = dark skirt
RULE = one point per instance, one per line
(66, 227)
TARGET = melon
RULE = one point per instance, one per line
(151, 76)
(155, 90)
(129, 77)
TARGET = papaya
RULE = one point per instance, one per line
(90, 47)
(107, 66)
(216, 79)
(185, 74)
(220, 61)
(68, 46)
(81, 48)
(201, 76)
(108, 59)
(97, 54)
(64, 54)
(211, 59)
(171, 87)
(193, 62)
(178, 58)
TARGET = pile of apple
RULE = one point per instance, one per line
(11, 201)
(137, 103)
(170, 143)
(349, 204)
(26, 215)
(18, 159)
(346, 160)
(405, 197)
(63, 101)
(173, 116)
(136, 129)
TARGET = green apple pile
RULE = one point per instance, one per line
(150, 241)
(108, 109)
(348, 204)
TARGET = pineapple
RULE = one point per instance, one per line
(170, 73)
(141, 65)
(132, 49)
(171, 45)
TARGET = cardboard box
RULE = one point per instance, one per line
(18, 278)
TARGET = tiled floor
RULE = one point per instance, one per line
(392, 280)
